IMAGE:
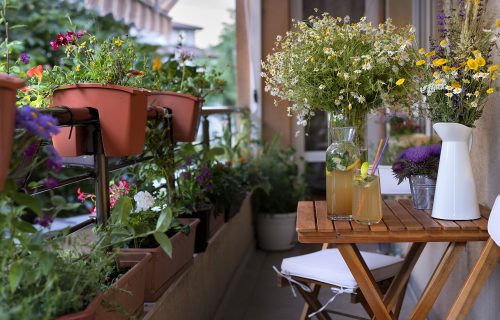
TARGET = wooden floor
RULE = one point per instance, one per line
(253, 294)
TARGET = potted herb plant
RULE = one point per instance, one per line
(182, 86)
(420, 166)
(276, 203)
(98, 75)
(455, 78)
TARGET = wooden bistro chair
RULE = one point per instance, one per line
(308, 273)
(481, 270)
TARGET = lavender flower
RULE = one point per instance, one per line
(31, 150)
(51, 182)
(417, 160)
(54, 161)
(24, 57)
(45, 221)
(41, 125)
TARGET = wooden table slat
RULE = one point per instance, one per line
(403, 215)
(482, 223)
(322, 221)
(467, 225)
(306, 221)
(342, 226)
(379, 227)
(423, 217)
(445, 224)
(392, 222)
(359, 227)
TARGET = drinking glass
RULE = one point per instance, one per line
(367, 199)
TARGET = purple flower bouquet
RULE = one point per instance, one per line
(420, 160)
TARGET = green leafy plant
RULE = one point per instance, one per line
(183, 75)
(285, 186)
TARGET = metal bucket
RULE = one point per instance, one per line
(422, 190)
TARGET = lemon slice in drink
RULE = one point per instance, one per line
(364, 169)
(328, 173)
(352, 166)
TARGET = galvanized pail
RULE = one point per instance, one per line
(422, 191)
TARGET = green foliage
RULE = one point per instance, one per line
(286, 187)
(182, 75)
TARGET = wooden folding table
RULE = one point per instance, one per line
(400, 223)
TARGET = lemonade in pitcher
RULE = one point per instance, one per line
(342, 158)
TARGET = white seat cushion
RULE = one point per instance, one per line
(328, 266)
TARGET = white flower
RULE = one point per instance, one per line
(278, 38)
(457, 90)
(449, 94)
(321, 87)
(143, 201)
(361, 99)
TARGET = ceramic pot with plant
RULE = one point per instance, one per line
(455, 80)
(275, 204)
(98, 75)
(420, 166)
(182, 86)
(8, 88)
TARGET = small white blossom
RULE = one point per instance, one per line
(143, 201)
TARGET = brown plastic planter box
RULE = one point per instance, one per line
(210, 223)
(123, 299)
(8, 89)
(186, 111)
(122, 115)
(163, 270)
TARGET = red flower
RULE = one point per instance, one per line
(36, 71)
(136, 73)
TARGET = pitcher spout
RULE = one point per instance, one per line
(452, 131)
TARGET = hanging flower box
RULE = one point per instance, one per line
(210, 223)
(164, 270)
(122, 115)
(123, 299)
(8, 88)
(186, 110)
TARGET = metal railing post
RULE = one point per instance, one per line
(102, 179)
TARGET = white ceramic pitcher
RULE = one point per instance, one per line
(455, 197)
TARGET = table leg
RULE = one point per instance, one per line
(437, 281)
(395, 293)
(365, 280)
(475, 281)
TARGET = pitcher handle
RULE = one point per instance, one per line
(471, 140)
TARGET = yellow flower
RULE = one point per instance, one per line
(421, 50)
(349, 106)
(493, 67)
(118, 42)
(453, 68)
(455, 84)
(435, 74)
(312, 59)
(476, 53)
(490, 91)
(439, 62)
(83, 44)
(400, 81)
(480, 61)
(430, 54)
(446, 69)
(472, 64)
(78, 68)
(443, 43)
(156, 64)
(438, 81)
(420, 62)
(497, 23)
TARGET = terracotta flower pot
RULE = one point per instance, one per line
(8, 88)
(125, 298)
(122, 115)
(163, 270)
(210, 223)
(186, 111)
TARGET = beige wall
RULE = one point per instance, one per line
(275, 21)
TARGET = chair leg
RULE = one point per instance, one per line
(313, 302)
(306, 310)
(399, 303)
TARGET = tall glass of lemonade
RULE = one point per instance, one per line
(367, 199)
(342, 158)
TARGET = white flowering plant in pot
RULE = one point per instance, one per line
(140, 220)
(349, 69)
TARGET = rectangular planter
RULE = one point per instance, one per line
(235, 206)
(122, 115)
(8, 90)
(163, 270)
(210, 223)
(123, 299)
(186, 111)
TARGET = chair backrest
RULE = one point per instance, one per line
(494, 222)
(389, 184)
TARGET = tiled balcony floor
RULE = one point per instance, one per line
(253, 294)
